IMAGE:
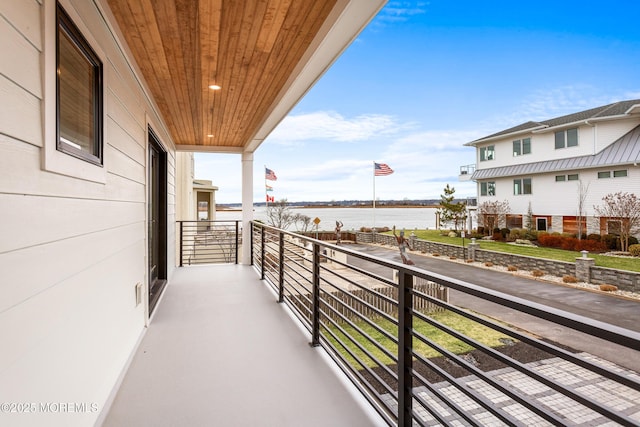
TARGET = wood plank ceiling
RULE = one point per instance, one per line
(247, 47)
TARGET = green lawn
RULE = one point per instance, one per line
(629, 264)
(469, 328)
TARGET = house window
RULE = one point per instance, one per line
(487, 153)
(514, 221)
(620, 173)
(567, 138)
(521, 146)
(606, 174)
(488, 188)
(79, 93)
(570, 177)
(522, 186)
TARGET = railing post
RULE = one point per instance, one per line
(251, 238)
(181, 237)
(281, 269)
(405, 348)
(315, 309)
(262, 253)
(237, 240)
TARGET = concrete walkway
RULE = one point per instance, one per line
(599, 306)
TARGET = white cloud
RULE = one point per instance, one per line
(400, 11)
(330, 125)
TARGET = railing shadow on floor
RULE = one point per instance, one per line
(420, 360)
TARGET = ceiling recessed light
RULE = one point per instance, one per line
(214, 87)
(210, 135)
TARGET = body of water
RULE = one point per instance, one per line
(354, 218)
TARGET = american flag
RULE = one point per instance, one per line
(381, 169)
(270, 175)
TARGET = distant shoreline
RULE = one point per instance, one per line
(225, 209)
(364, 206)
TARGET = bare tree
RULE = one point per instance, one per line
(302, 222)
(279, 215)
(489, 213)
(624, 207)
(582, 214)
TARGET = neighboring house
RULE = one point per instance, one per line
(548, 164)
(99, 99)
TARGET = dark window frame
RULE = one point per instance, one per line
(566, 138)
(66, 24)
(488, 188)
(487, 153)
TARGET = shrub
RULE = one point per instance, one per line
(512, 268)
(488, 264)
(537, 273)
(553, 240)
(594, 236)
(634, 250)
(531, 235)
(452, 257)
(569, 279)
(633, 240)
(505, 232)
(435, 254)
(497, 234)
(611, 241)
(591, 246)
(481, 231)
(608, 288)
(468, 260)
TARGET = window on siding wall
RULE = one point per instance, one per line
(521, 147)
(560, 178)
(605, 174)
(487, 153)
(620, 173)
(522, 186)
(573, 177)
(566, 138)
(488, 188)
(79, 93)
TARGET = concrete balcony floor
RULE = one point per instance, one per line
(221, 352)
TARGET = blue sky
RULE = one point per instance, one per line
(424, 78)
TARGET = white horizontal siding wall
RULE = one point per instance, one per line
(561, 198)
(72, 250)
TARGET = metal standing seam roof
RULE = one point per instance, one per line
(625, 150)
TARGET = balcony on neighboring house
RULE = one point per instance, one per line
(466, 171)
(358, 340)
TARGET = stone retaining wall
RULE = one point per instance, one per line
(585, 271)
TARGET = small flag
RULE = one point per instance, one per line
(269, 188)
(270, 175)
(270, 199)
(381, 169)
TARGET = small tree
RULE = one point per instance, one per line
(582, 214)
(451, 211)
(279, 215)
(489, 213)
(302, 222)
(528, 223)
(624, 207)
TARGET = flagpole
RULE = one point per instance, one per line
(266, 194)
(374, 196)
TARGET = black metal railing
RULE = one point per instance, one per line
(209, 242)
(421, 360)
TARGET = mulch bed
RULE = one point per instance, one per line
(519, 351)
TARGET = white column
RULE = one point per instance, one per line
(247, 206)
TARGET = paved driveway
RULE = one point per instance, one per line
(599, 306)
